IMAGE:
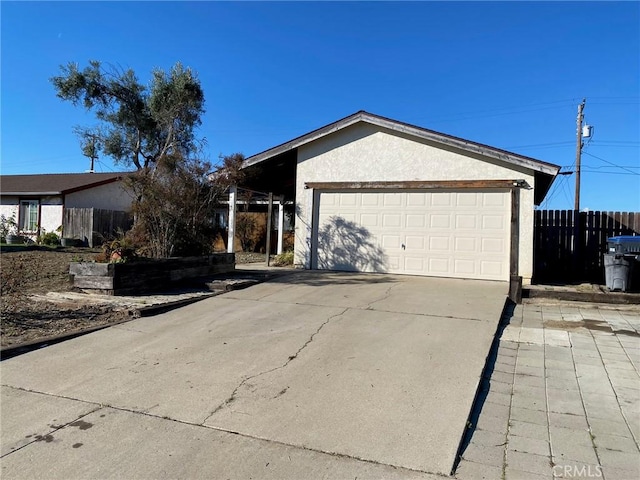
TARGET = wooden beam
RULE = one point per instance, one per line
(417, 185)
(515, 281)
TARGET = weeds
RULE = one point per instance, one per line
(283, 260)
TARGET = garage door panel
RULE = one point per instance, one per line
(415, 220)
(371, 201)
(440, 221)
(439, 243)
(416, 200)
(441, 233)
(468, 221)
(414, 242)
(438, 266)
(390, 241)
(348, 200)
(467, 199)
(493, 222)
(391, 220)
(414, 264)
(369, 220)
(464, 266)
(491, 268)
(494, 199)
(465, 245)
(492, 245)
(329, 199)
(394, 262)
(440, 199)
(392, 199)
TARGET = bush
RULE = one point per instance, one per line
(176, 202)
(49, 238)
(284, 259)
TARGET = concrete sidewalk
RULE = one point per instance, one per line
(562, 398)
(309, 375)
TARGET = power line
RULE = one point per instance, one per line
(560, 186)
(461, 116)
(609, 173)
(593, 167)
(543, 144)
(612, 164)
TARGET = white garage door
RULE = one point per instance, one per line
(463, 234)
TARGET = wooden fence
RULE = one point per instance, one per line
(568, 245)
(94, 225)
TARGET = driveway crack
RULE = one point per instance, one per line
(386, 295)
(291, 358)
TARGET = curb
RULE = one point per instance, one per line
(589, 297)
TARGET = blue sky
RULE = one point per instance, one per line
(506, 74)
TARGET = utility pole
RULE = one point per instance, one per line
(579, 151)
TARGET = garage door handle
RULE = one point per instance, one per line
(404, 246)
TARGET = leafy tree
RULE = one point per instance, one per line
(153, 129)
(177, 202)
(138, 125)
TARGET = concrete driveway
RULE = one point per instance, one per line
(310, 375)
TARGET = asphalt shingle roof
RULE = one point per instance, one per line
(54, 183)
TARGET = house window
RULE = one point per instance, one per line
(28, 215)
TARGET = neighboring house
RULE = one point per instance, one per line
(37, 202)
(378, 195)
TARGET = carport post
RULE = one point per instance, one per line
(280, 224)
(515, 280)
(231, 235)
(269, 215)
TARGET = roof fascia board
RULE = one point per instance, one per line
(91, 185)
(29, 194)
(461, 144)
(309, 137)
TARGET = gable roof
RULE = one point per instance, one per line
(419, 132)
(544, 173)
(55, 183)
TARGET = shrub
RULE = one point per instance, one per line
(120, 250)
(176, 202)
(49, 238)
(284, 259)
(8, 225)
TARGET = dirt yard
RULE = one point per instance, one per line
(25, 318)
(23, 274)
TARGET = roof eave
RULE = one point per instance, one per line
(29, 194)
(91, 185)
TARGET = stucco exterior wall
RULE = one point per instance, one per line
(9, 207)
(111, 196)
(364, 152)
(51, 217)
